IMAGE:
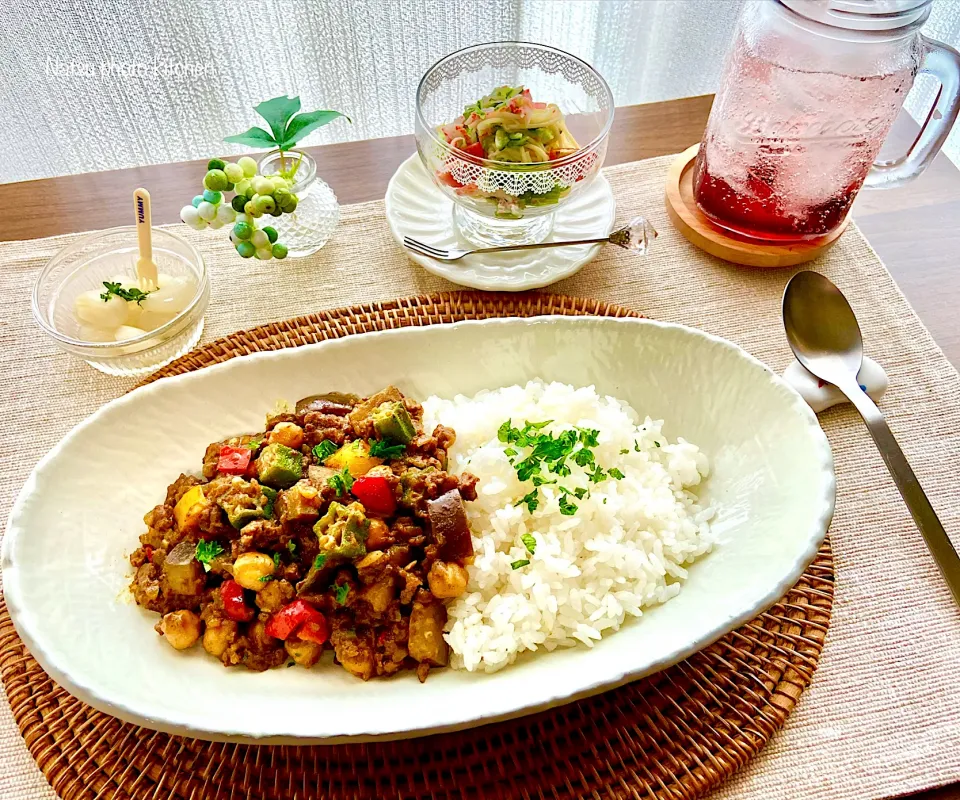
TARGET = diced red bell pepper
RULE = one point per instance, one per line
(375, 494)
(234, 460)
(448, 179)
(234, 606)
(475, 149)
(314, 631)
(288, 619)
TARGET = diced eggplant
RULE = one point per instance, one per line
(392, 422)
(300, 503)
(279, 466)
(426, 631)
(365, 409)
(448, 522)
(183, 572)
(338, 403)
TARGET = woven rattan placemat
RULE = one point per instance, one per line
(676, 734)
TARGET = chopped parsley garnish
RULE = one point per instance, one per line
(124, 294)
(276, 561)
(624, 451)
(519, 563)
(548, 453)
(379, 449)
(266, 578)
(324, 450)
(253, 444)
(657, 443)
(529, 542)
(207, 552)
(292, 547)
(342, 481)
(530, 500)
(342, 591)
(567, 508)
(319, 561)
(636, 446)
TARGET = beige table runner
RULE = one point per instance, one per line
(882, 716)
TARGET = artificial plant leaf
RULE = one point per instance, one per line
(255, 137)
(305, 123)
(277, 113)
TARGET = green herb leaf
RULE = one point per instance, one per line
(529, 542)
(277, 113)
(503, 432)
(636, 446)
(567, 508)
(253, 444)
(539, 480)
(510, 452)
(583, 457)
(342, 481)
(324, 450)
(306, 123)
(530, 500)
(379, 449)
(536, 425)
(588, 437)
(124, 294)
(292, 547)
(613, 472)
(319, 561)
(597, 475)
(276, 561)
(207, 552)
(657, 443)
(342, 591)
(519, 563)
(254, 137)
(266, 578)
(580, 493)
(624, 451)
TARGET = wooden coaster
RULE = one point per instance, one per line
(674, 735)
(699, 230)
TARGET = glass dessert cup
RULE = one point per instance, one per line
(86, 264)
(535, 190)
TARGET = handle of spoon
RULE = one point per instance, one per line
(146, 268)
(924, 516)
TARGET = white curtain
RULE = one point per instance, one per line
(105, 84)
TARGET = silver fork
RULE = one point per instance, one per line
(635, 236)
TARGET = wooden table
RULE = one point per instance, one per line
(913, 229)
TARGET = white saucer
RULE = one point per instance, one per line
(417, 208)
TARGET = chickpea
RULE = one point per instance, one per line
(289, 434)
(249, 568)
(304, 653)
(181, 629)
(218, 636)
(447, 579)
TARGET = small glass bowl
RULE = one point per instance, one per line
(552, 76)
(96, 258)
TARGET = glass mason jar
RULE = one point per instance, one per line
(809, 92)
(308, 228)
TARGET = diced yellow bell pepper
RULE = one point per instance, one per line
(355, 458)
(186, 510)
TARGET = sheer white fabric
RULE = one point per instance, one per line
(104, 84)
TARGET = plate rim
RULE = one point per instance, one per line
(450, 272)
(85, 692)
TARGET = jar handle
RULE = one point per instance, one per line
(943, 62)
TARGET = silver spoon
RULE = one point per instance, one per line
(825, 337)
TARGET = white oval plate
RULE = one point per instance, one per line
(79, 515)
(415, 207)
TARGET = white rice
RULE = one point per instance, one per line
(622, 551)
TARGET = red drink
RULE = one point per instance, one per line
(788, 146)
